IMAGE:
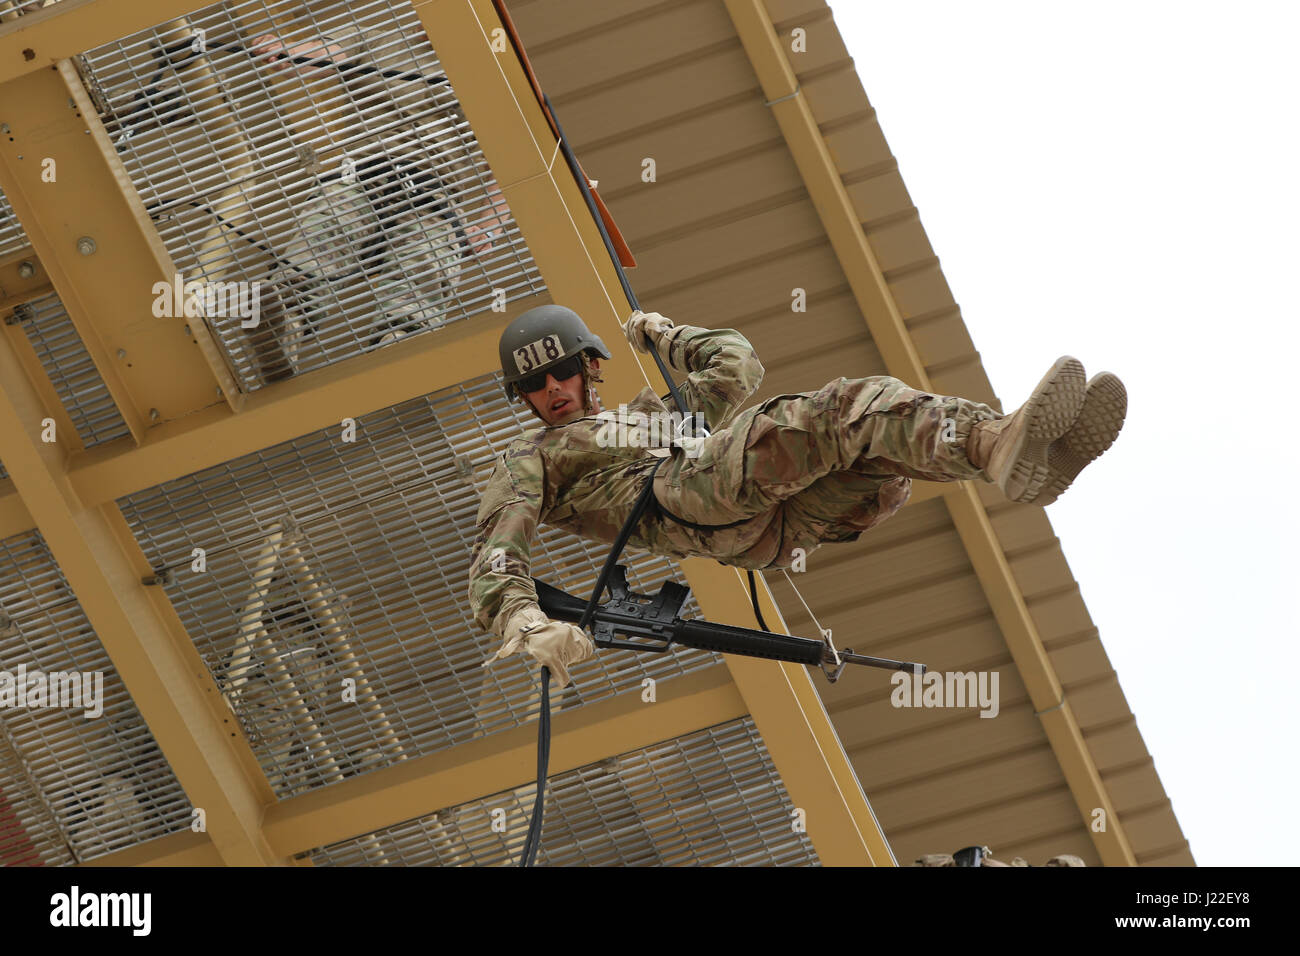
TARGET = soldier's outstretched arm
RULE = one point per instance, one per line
(722, 367)
(500, 582)
(501, 590)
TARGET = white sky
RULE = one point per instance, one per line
(1118, 182)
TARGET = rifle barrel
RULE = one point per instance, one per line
(725, 639)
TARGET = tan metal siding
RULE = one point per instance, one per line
(721, 239)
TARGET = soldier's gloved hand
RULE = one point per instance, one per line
(554, 644)
(642, 325)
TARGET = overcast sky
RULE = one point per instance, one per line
(1118, 182)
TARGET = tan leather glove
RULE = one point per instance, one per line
(643, 325)
(554, 644)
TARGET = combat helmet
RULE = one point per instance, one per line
(541, 338)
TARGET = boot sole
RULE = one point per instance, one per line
(1105, 405)
(1050, 412)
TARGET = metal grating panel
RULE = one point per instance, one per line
(71, 371)
(72, 787)
(12, 236)
(328, 560)
(12, 9)
(711, 798)
(352, 191)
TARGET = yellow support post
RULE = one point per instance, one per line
(138, 628)
(101, 251)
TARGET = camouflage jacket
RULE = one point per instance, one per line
(574, 477)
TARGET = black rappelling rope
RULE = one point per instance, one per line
(632, 300)
(544, 720)
(534, 837)
(544, 723)
(609, 246)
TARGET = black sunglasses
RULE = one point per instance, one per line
(570, 367)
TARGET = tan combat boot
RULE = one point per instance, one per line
(1013, 450)
(1104, 406)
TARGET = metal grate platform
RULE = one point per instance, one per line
(12, 236)
(711, 798)
(330, 561)
(72, 787)
(350, 193)
(71, 371)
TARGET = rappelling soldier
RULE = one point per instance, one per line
(765, 486)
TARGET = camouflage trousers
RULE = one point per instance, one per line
(800, 470)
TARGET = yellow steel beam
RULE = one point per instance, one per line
(16, 288)
(16, 256)
(565, 241)
(103, 255)
(829, 197)
(501, 762)
(415, 787)
(285, 410)
(71, 27)
(139, 629)
(36, 375)
(14, 516)
(349, 389)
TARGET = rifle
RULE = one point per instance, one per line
(656, 621)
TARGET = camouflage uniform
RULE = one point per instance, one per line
(792, 472)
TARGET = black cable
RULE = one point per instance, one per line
(534, 838)
(346, 66)
(632, 300)
(753, 598)
(624, 533)
(544, 723)
(196, 204)
(574, 168)
(391, 180)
